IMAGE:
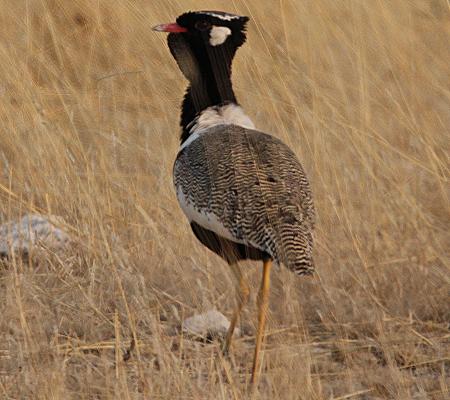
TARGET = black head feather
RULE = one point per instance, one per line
(200, 23)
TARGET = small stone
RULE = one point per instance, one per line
(32, 230)
(211, 324)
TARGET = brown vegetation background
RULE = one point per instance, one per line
(89, 103)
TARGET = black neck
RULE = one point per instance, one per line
(208, 70)
(202, 95)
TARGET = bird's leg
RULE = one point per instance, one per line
(263, 302)
(242, 299)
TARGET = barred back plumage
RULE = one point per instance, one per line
(252, 184)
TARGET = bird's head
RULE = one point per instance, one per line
(208, 28)
(202, 39)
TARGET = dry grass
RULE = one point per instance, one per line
(89, 102)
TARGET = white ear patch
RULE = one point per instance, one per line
(218, 35)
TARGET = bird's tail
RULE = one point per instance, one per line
(294, 248)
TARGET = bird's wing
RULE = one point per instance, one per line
(254, 190)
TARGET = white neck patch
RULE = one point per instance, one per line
(218, 35)
(230, 114)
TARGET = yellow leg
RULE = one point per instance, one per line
(263, 302)
(243, 295)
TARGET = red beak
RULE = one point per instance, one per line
(173, 27)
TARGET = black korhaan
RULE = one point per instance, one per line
(244, 192)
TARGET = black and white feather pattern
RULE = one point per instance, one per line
(248, 187)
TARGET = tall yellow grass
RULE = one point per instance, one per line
(89, 103)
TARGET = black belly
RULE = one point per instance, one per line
(227, 249)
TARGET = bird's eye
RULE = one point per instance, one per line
(202, 25)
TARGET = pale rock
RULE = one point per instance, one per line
(208, 325)
(33, 230)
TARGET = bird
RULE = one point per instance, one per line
(243, 191)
